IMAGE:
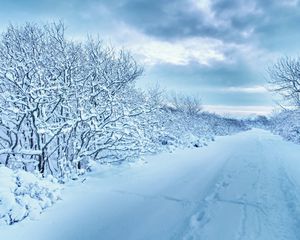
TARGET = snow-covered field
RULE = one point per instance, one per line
(244, 186)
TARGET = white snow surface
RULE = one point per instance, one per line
(244, 186)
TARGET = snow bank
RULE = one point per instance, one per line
(23, 194)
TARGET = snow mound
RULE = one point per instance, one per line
(23, 194)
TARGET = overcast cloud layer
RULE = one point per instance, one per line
(217, 48)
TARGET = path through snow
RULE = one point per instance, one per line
(244, 186)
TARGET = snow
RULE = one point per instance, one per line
(244, 186)
(23, 194)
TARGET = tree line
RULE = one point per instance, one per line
(64, 104)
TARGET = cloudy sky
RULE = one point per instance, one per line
(219, 49)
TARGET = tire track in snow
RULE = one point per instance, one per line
(240, 177)
(242, 231)
(199, 220)
(183, 202)
(291, 192)
(275, 190)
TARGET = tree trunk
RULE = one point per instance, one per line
(42, 161)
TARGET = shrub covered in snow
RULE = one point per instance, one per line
(180, 128)
(287, 125)
(23, 194)
(258, 122)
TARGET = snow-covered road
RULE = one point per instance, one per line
(245, 186)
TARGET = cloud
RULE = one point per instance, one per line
(254, 89)
(239, 111)
(290, 3)
(176, 26)
(200, 50)
(241, 89)
(264, 23)
(230, 20)
(206, 51)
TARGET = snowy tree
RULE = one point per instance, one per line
(63, 103)
(285, 79)
(190, 104)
